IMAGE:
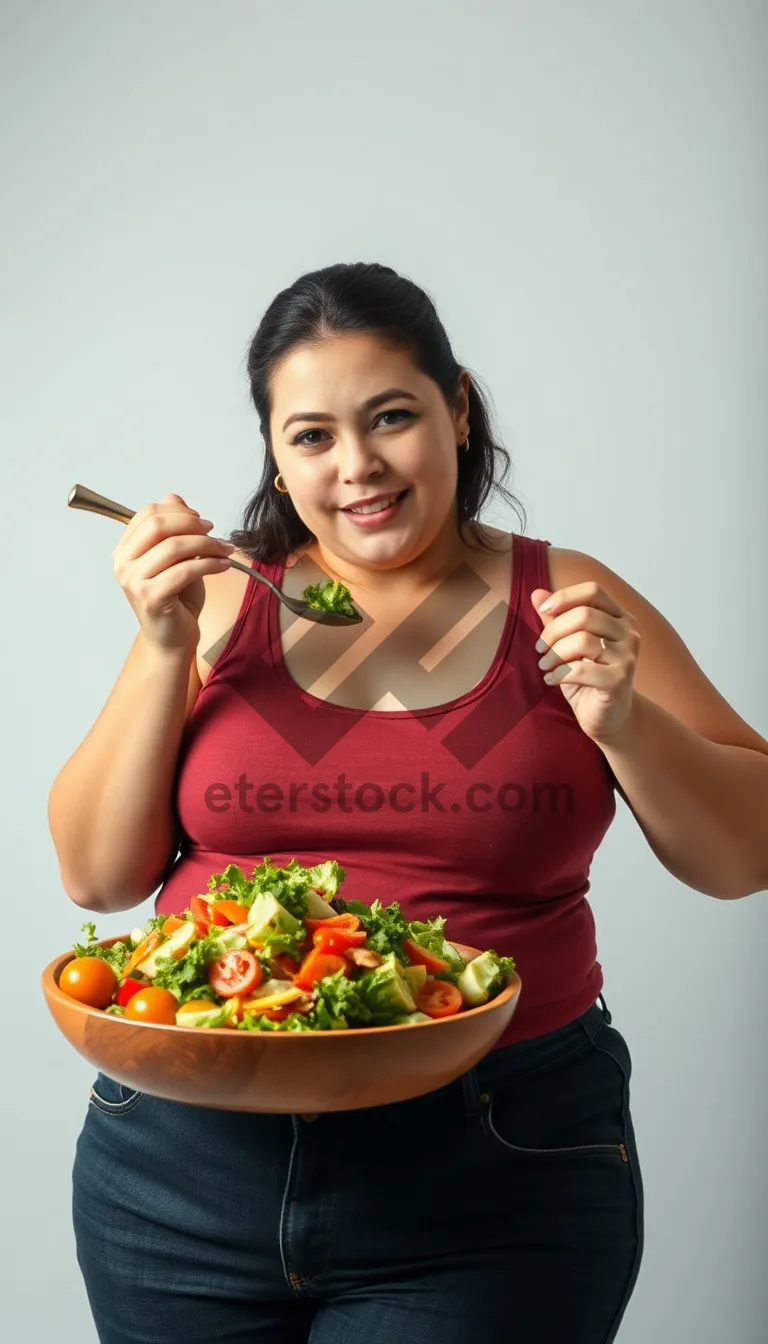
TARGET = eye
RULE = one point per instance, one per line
(408, 414)
(303, 440)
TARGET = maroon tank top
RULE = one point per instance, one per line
(487, 808)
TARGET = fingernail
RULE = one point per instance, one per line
(206, 522)
(541, 646)
(228, 545)
(548, 605)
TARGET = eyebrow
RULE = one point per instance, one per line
(368, 405)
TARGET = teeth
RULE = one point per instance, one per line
(375, 508)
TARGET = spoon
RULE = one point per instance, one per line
(80, 497)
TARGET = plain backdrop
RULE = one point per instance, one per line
(581, 187)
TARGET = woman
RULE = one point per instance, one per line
(458, 751)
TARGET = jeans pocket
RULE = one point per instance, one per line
(492, 1132)
(576, 1106)
(113, 1098)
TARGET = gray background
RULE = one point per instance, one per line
(582, 188)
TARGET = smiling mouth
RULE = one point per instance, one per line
(380, 505)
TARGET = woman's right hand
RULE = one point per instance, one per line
(159, 563)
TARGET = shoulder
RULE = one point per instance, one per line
(568, 567)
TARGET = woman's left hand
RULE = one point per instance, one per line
(597, 682)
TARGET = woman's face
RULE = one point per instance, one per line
(333, 449)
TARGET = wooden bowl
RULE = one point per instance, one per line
(292, 1073)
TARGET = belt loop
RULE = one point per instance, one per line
(606, 1011)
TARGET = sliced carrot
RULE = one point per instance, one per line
(345, 921)
(319, 964)
(234, 912)
(172, 923)
(145, 947)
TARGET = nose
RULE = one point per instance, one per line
(357, 459)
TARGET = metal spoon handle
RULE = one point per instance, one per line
(80, 497)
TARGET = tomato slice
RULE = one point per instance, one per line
(127, 990)
(346, 921)
(319, 964)
(419, 956)
(201, 913)
(439, 998)
(338, 940)
(229, 912)
(234, 972)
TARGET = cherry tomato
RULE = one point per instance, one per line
(419, 956)
(235, 972)
(146, 946)
(229, 912)
(319, 964)
(127, 990)
(338, 939)
(90, 980)
(346, 921)
(152, 1004)
(439, 998)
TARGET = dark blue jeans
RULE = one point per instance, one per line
(507, 1206)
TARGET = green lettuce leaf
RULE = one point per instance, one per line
(155, 922)
(327, 877)
(115, 956)
(430, 935)
(331, 595)
(340, 1002)
(183, 974)
(385, 925)
(293, 944)
(294, 1022)
(289, 885)
(238, 886)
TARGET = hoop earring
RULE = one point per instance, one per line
(282, 488)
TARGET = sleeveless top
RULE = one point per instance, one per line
(486, 809)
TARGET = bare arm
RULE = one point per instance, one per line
(111, 808)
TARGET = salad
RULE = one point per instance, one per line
(330, 596)
(281, 951)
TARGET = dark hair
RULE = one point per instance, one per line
(364, 297)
